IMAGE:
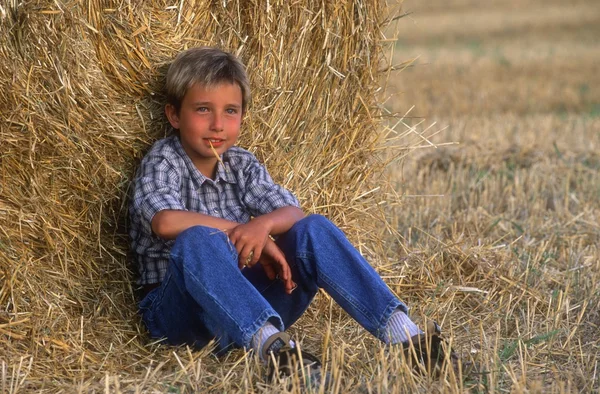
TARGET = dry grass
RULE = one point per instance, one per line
(80, 95)
(500, 241)
(499, 232)
(525, 58)
(503, 252)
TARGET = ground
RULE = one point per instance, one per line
(500, 220)
(495, 234)
(497, 230)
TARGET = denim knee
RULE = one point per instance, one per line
(312, 221)
(194, 233)
(211, 240)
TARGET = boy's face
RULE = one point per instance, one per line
(208, 115)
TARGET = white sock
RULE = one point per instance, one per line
(398, 326)
(262, 335)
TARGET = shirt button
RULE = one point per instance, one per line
(215, 210)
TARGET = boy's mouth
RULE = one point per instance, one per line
(214, 142)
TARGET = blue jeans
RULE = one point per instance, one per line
(204, 295)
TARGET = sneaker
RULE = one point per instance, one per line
(285, 361)
(429, 351)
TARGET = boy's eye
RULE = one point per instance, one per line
(232, 111)
(202, 109)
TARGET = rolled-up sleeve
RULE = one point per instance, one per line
(157, 189)
(262, 195)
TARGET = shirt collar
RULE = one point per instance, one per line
(224, 171)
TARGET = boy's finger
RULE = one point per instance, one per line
(245, 257)
(290, 286)
(256, 255)
(233, 236)
(279, 257)
(286, 274)
(270, 271)
(240, 262)
(239, 247)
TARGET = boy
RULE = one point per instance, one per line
(210, 271)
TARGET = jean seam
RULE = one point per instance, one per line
(267, 288)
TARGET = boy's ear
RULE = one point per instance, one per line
(172, 115)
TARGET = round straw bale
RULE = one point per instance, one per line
(80, 103)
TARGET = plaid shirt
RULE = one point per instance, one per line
(167, 179)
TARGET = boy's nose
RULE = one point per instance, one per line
(217, 123)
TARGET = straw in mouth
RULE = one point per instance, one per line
(214, 151)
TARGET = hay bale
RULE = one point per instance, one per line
(80, 104)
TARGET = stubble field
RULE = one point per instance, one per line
(497, 234)
(501, 221)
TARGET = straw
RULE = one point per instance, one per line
(81, 102)
(214, 151)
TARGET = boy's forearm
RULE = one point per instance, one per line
(281, 220)
(168, 224)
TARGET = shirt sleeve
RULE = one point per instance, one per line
(157, 188)
(262, 195)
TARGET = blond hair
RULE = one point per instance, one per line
(206, 66)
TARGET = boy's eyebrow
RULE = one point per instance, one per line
(234, 105)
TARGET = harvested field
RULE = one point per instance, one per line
(494, 233)
(500, 230)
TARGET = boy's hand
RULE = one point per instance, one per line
(249, 240)
(274, 263)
